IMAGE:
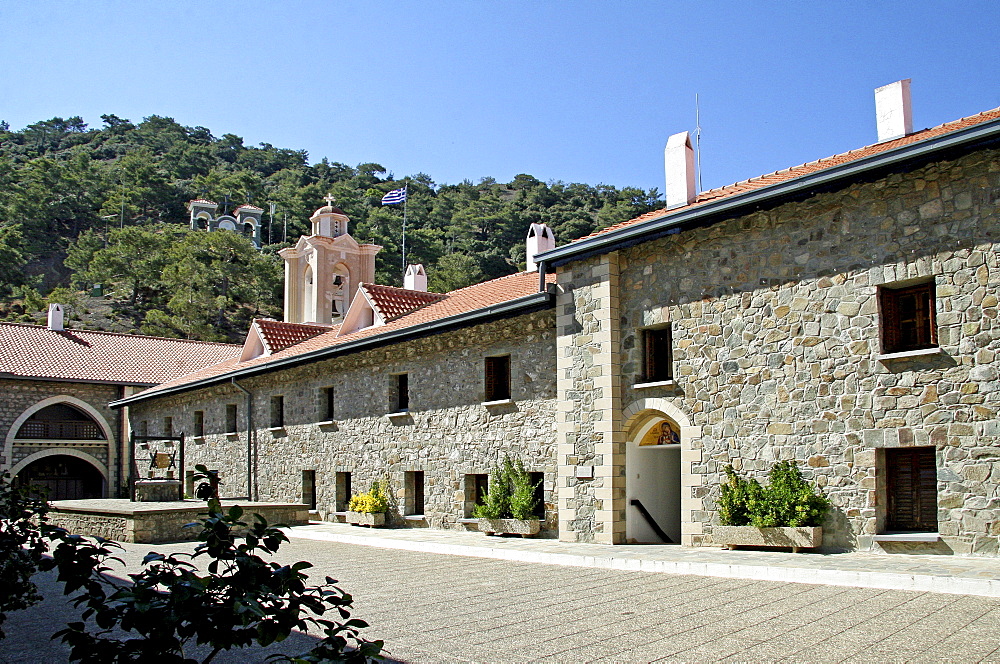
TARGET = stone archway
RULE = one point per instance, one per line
(667, 466)
(79, 404)
(68, 474)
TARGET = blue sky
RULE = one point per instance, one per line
(572, 91)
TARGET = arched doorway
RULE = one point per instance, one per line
(653, 481)
(66, 477)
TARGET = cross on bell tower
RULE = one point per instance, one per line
(329, 199)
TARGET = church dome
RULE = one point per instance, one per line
(328, 209)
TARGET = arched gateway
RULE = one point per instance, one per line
(657, 473)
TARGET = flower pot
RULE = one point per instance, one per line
(524, 528)
(370, 519)
(795, 538)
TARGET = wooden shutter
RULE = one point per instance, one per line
(911, 475)
(888, 320)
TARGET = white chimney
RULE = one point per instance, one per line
(540, 238)
(678, 163)
(893, 111)
(415, 278)
(56, 317)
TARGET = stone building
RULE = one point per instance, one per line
(842, 314)
(245, 219)
(56, 426)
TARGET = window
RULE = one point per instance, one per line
(476, 488)
(657, 357)
(498, 378)
(199, 423)
(907, 316)
(343, 488)
(60, 421)
(277, 411)
(231, 418)
(911, 488)
(309, 488)
(402, 396)
(326, 404)
(168, 426)
(142, 429)
(413, 493)
(538, 482)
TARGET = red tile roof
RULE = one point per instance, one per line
(808, 169)
(202, 200)
(34, 351)
(391, 302)
(464, 300)
(278, 335)
(247, 206)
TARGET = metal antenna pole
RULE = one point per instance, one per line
(697, 138)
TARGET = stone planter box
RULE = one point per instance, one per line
(373, 520)
(731, 537)
(525, 528)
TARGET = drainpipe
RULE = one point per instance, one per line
(251, 485)
(541, 276)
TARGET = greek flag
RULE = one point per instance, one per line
(394, 196)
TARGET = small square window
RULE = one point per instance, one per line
(199, 423)
(657, 355)
(326, 401)
(277, 411)
(231, 418)
(402, 392)
(907, 317)
(497, 378)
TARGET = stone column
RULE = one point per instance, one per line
(591, 452)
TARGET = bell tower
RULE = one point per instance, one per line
(323, 270)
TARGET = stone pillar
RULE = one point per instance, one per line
(293, 285)
(591, 450)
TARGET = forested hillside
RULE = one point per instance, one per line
(81, 206)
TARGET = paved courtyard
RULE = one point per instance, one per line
(443, 608)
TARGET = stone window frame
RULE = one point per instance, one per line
(232, 418)
(277, 412)
(497, 379)
(924, 320)
(400, 393)
(326, 404)
(657, 348)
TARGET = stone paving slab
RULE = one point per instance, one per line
(920, 573)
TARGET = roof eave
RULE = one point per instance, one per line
(521, 305)
(711, 212)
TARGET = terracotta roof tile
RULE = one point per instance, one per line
(391, 302)
(34, 351)
(464, 300)
(809, 168)
(247, 206)
(278, 335)
(202, 200)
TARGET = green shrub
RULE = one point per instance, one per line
(787, 500)
(376, 501)
(511, 494)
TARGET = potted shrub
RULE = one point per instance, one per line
(368, 509)
(509, 507)
(788, 512)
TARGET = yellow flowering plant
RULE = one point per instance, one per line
(375, 501)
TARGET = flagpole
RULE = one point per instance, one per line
(405, 199)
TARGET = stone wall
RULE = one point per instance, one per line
(777, 351)
(20, 395)
(448, 433)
